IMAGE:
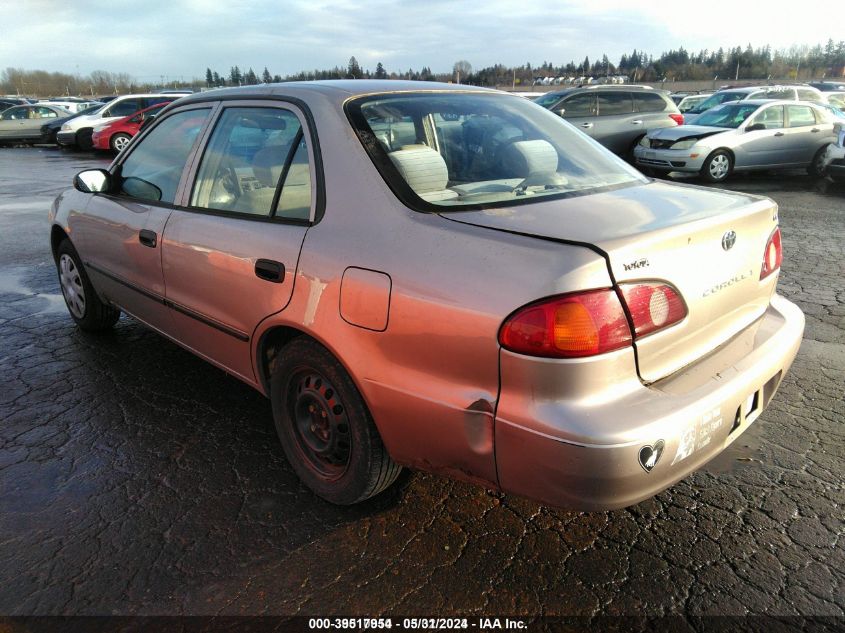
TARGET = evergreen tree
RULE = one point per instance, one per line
(250, 78)
(218, 80)
(266, 77)
(381, 73)
(209, 78)
(235, 77)
(353, 71)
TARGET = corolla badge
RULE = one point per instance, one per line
(728, 240)
(650, 455)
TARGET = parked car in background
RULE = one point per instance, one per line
(117, 134)
(742, 136)
(78, 132)
(790, 93)
(74, 107)
(836, 99)
(53, 126)
(616, 116)
(494, 298)
(688, 103)
(828, 86)
(834, 160)
(28, 123)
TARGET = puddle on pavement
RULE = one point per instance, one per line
(12, 282)
(745, 451)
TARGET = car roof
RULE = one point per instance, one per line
(333, 87)
(633, 87)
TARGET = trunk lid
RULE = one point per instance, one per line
(666, 232)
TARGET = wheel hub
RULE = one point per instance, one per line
(321, 426)
(71, 283)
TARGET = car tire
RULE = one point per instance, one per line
(717, 167)
(83, 304)
(325, 428)
(83, 139)
(816, 169)
(118, 141)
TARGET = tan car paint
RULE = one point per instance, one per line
(568, 432)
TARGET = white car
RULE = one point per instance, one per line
(73, 107)
(834, 159)
(77, 132)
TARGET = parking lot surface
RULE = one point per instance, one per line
(137, 479)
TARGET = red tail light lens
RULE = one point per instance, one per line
(569, 326)
(773, 255)
(653, 306)
(677, 118)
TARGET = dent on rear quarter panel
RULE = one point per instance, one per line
(431, 377)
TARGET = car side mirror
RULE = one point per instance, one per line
(755, 127)
(93, 181)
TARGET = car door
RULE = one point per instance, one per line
(230, 251)
(806, 134)
(580, 110)
(768, 146)
(614, 126)
(39, 116)
(119, 235)
(14, 120)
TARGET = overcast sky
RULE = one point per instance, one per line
(180, 38)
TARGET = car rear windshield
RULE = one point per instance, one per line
(459, 150)
(716, 99)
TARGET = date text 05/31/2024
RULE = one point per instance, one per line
(479, 624)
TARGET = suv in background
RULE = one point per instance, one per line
(784, 93)
(618, 117)
(78, 131)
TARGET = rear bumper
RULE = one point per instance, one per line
(834, 160)
(585, 454)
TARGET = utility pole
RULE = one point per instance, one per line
(514, 80)
(737, 72)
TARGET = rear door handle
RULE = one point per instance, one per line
(637, 122)
(148, 238)
(778, 133)
(586, 126)
(270, 270)
(814, 130)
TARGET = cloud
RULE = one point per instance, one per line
(182, 37)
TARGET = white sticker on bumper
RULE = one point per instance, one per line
(698, 434)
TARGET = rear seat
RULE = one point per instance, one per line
(424, 170)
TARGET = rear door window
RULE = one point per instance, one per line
(649, 102)
(771, 118)
(154, 167)
(800, 116)
(256, 163)
(807, 95)
(611, 103)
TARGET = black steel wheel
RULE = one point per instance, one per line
(325, 428)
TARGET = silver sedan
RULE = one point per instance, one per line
(742, 136)
(450, 279)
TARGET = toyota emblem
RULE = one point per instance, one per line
(728, 240)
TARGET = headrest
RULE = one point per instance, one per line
(267, 164)
(422, 168)
(527, 158)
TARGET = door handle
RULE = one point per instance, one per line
(814, 130)
(148, 238)
(270, 270)
(778, 133)
(637, 122)
(586, 126)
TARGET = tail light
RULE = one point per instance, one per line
(568, 326)
(653, 306)
(773, 255)
(677, 118)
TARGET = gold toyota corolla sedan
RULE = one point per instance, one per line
(446, 278)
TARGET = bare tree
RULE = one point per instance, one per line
(462, 68)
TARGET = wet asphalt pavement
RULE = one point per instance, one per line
(138, 479)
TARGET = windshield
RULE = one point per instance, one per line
(547, 100)
(730, 115)
(454, 150)
(716, 99)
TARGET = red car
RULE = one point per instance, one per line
(117, 134)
